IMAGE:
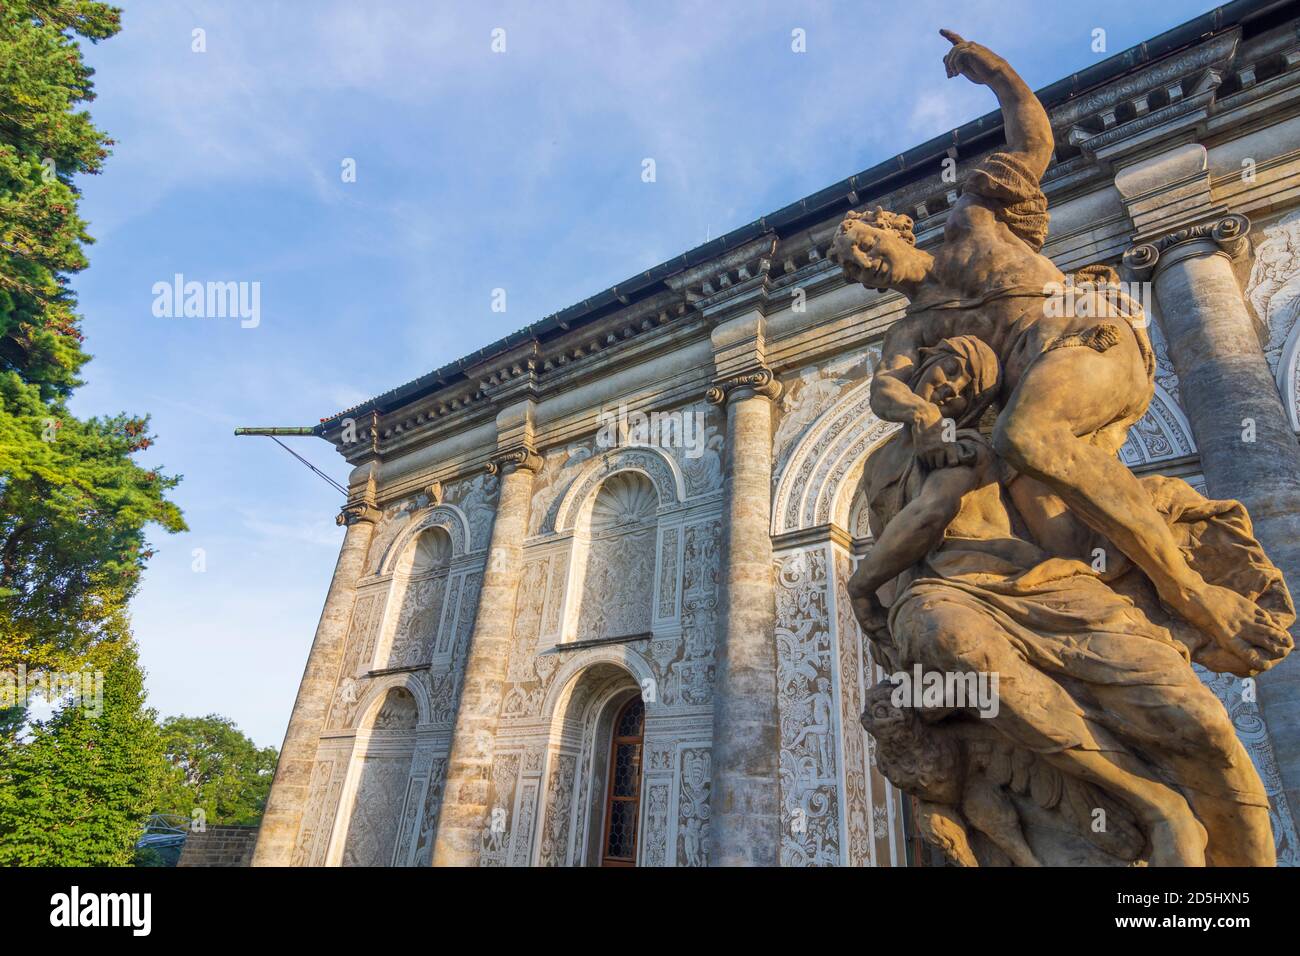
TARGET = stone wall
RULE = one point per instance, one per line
(219, 846)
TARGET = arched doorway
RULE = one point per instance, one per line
(623, 786)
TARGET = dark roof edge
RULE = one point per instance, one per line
(811, 208)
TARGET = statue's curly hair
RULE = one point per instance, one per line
(881, 218)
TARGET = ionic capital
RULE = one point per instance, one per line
(1226, 235)
(356, 511)
(760, 381)
(520, 459)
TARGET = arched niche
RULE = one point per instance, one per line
(615, 584)
(417, 623)
(819, 482)
(447, 517)
(827, 459)
(658, 467)
(1162, 434)
(1288, 374)
(371, 816)
(620, 529)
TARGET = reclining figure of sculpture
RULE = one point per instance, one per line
(1011, 540)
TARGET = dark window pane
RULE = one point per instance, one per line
(622, 830)
(629, 722)
(627, 769)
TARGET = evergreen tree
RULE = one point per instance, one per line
(73, 502)
(77, 793)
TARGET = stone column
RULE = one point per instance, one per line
(1248, 450)
(464, 808)
(288, 797)
(745, 827)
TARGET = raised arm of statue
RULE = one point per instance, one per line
(1029, 133)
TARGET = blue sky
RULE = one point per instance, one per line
(474, 170)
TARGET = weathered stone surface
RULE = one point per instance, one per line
(289, 789)
(461, 825)
(746, 741)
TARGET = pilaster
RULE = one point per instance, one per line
(282, 818)
(745, 828)
(463, 816)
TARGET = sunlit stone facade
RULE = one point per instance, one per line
(515, 572)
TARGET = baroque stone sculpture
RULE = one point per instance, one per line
(1011, 541)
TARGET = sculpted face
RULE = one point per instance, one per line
(945, 384)
(878, 258)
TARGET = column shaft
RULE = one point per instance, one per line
(745, 804)
(288, 797)
(464, 808)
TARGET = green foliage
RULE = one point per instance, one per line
(74, 789)
(45, 141)
(72, 518)
(78, 791)
(215, 767)
(73, 502)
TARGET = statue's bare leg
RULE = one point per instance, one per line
(1064, 398)
(949, 636)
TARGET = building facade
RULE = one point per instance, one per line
(591, 607)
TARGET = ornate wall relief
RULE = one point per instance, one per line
(1274, 292)
(655, 828)
(324, 790)
(422, 852)
(561, 465)
(1162, 433)
(559, 803)
(443, 680)
(700, 459)
(383, 772)
(367, 614)
(807, 394)
(1249, 724)
(619, 579)
(809, 767)
(695, 781)
(686, 665)
(476, 498)
(502, 809)
(419, 589)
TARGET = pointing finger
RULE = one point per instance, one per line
(951, 37)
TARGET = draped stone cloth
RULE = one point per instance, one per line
(1104, 638)
(1021, 205)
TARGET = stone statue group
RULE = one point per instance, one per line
(1009, 539)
